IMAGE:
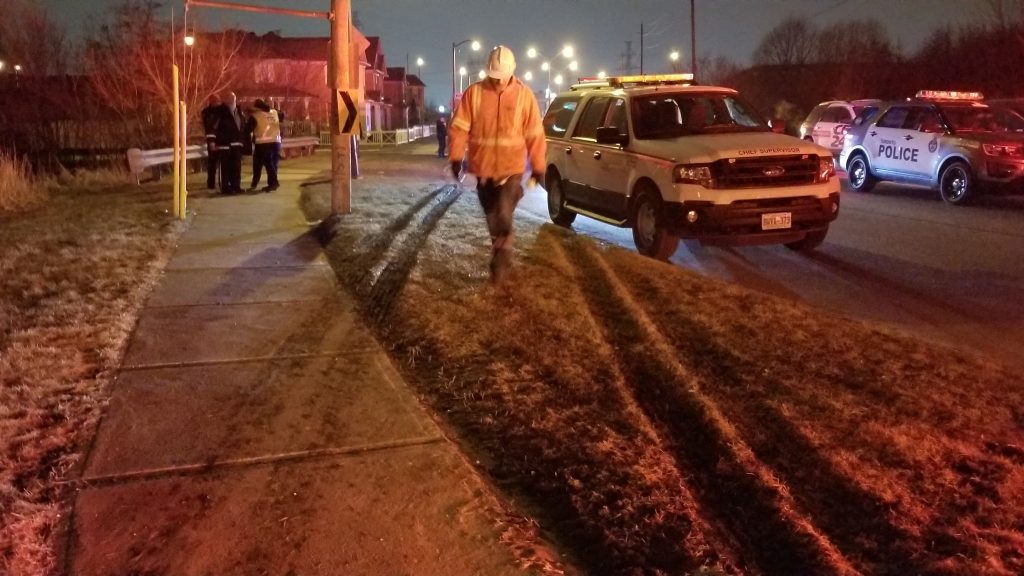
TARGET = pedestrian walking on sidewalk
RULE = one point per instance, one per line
(265, 126)
(211, 117)
(442, 136)
(499, 121)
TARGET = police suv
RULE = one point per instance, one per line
(948, 141)
(671, 159)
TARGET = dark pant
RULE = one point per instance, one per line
(442, 143)
(266, 156)
(231, 169)
(212, 163)
(499, 203)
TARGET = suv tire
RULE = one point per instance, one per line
(956, 184)
(859, 173)
(810, 241)
(650, 237)
(557, 211)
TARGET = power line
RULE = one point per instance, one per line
(828, 9)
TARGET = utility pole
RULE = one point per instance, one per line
(641, 48)
(693, 39)
(341, 144)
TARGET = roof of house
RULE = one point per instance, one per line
(396, 74)
(374, 54)
(414, 80)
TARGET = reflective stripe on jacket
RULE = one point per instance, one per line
(499, 128)
(268, 127)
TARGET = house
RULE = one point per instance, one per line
(417, 104)
(396, 93)
(377, 112)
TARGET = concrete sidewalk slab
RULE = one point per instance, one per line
(165, 418)
(206, 286)
(299, 251)
(335, 516)
(202, 334)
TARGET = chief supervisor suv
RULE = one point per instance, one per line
(674, 160)
(947, 141)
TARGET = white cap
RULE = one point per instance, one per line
(501, 63)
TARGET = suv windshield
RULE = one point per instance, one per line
(982, 119)
(661, 115)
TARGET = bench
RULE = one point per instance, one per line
(141, 160)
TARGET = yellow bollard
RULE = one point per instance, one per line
(183, 143)
(177, 143)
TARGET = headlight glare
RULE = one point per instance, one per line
(693, 174)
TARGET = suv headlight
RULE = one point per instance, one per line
(692, 174)
(826, 168)
(1003, 150)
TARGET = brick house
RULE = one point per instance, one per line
(417, 104)
(396, 93)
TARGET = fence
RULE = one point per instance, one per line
(141, 160)
(388, 137)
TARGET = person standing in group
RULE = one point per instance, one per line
(499, 120)
(230, 138)
(265, 125)
(442, 136)
(211, 117)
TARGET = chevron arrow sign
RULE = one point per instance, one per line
(347, 114)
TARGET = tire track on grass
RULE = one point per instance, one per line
(854, 518)
(738, 490)
(384, 292)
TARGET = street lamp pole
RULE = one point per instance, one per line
(693, 40)
(455, 48)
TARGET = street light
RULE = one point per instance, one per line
(1, 65)
(602, 74)
(189, 40)
(462, 74)
(674, 57)
(17, 68)
(568, 51)
(455, 47)
(481, 74)
(419, 66)
(528, 76)
(558, 80)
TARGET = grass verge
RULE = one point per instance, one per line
(657, 421)
(73, 275)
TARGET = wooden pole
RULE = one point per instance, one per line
(341, 144)
(693, 40)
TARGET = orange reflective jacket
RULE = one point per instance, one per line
(500, 128)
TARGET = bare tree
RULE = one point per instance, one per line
(31, 39)
(718, 70)
(855, 41)
(129, 57)
(791, 42)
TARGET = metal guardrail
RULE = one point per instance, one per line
(396, 137)
(141, 160)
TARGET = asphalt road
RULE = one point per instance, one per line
(898, 256)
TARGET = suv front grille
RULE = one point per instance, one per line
(765, 172)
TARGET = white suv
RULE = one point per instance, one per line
(828, 122)
(671, 160)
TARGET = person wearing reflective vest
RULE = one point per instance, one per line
(497, 127)
(265, 126)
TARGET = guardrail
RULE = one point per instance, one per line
(396, 137)
(141, 160)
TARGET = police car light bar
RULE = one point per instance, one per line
(950, 95)
(651, 79)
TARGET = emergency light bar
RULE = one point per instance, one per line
(950, 95)
(651, 79)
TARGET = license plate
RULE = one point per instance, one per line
(776, 221)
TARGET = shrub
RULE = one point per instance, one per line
(19, 188)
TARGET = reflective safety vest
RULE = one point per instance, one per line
(499, 128)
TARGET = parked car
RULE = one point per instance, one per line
(673, 160)
(948, 141)
(827, 122)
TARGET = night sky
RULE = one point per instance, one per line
(598, 29)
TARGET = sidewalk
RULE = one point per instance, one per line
(257, 427)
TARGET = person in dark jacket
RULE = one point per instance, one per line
(211, 116)
(265, 126)
(230, 142)
(442, 137)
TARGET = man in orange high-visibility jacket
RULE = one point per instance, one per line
(499, 121)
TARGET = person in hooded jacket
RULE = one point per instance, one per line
(498, 121)
(265, 127)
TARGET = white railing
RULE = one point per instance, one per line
(396, 137)
(141, 160)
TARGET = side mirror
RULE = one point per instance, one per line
(778, 126)
(610, 135)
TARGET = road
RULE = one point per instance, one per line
(897, 256)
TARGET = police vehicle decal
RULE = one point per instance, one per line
(893, 151)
